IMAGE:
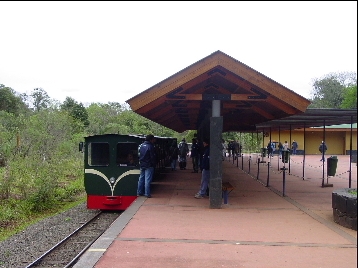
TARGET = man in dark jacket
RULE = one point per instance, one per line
(173, 152)
(147, 162)
(294, 147)
(205, 170)
(322, 148)
(183, 151)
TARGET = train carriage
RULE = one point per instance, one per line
(111, 168)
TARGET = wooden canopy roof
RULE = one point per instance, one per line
(312, 117)
(182, 101)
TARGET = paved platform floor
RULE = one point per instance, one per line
(259, 227)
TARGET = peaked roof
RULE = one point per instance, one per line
(182, 101)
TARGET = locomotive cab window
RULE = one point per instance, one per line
(127, 154)
(98, 154)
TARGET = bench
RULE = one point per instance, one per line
(226, 189)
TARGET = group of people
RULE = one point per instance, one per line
(199, 155)
(178, 151)
(282, 147)
(233, 148)
(181, 151)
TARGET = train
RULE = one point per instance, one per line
(111, 168)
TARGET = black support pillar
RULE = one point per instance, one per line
(216, 126)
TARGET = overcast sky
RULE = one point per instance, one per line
(111, 51)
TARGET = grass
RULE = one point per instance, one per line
(17, 223)
(353, 192)
(32, 198)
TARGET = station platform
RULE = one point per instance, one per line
(265, 223)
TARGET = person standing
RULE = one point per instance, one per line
(223, 145)
(236, 149)
(174, 152)
(195, 155)
(201, 151)
(231, 148)
(280, 148)
(205, 170)
(294, 147)
(269, 149)
(322, 148)
(273, 145)
(285, 146)
(183, 152)
(147, 162)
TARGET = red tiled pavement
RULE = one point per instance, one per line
(257, 228)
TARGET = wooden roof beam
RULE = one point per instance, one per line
(234, 97)
(262, 112)
(286, 108)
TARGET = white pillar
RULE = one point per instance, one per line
(216, 108)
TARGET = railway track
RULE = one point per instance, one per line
(67, 251)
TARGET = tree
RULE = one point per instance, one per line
(119, 118)
(40, 99)
(99, 117)
(329, 91)
(76, 110)
(10, 102)
(350, 98)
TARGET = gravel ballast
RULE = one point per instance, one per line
(24, 247)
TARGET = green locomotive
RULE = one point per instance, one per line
(111, 168)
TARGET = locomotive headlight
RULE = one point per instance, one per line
(112, 180)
